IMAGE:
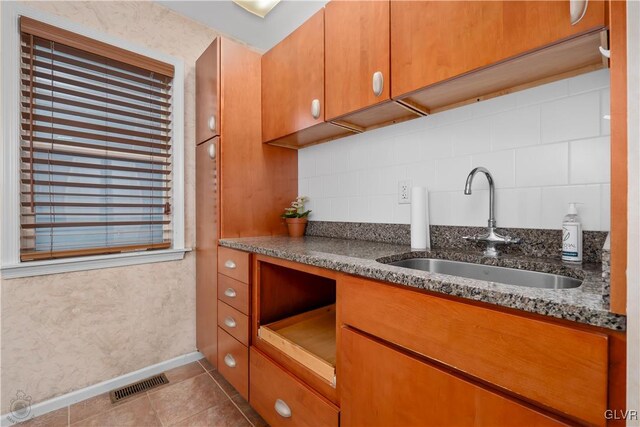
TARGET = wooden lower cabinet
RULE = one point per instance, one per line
(282, 400)
(207, 232)
(555, 365)
(382, 386)
(408, 358)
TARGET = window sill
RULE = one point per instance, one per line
(40, 268)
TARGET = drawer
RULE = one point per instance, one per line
(558, 366)
(418, 392)
(282, 400)
(234, 293)
(234, 264)
(233, 362)
(234, 322)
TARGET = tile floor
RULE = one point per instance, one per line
(196, 395)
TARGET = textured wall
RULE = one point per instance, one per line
(545, 146)
(67, 331)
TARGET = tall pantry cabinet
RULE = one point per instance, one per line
(207, 196)
(242, 185)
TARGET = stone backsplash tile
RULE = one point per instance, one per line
(543, 243)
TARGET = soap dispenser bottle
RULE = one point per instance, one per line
(572, 236)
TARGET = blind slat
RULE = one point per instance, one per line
(94, 126)
(63, 142)
(90, 175)
(49, 183)
(111, 195)
(95, 77)
(79, 85)
(96, 148)
(100, 214)
(92, 224)
(94, 107)
(99, 205)
(87, 96)
(94, 166)
(98, 155)
(56, 130)
(77, 113)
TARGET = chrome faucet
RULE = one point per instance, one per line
(491, 238)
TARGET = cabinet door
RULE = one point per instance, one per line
(206, 248)
(382, 386)
(207, 93)
(293, 79)
(432, 41)
(357, 47)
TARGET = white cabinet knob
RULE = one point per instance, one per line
(230, 361)
(315, 108)
(212, 123)
(378, 83)
(605, 52)
(577, 10)
(230, 292)
(230, 264)
(230, 322)
(212, 150)
(282, 408)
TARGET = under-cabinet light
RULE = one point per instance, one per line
(258, 7)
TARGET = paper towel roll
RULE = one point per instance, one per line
(420, 238)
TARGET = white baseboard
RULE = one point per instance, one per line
(58, 402)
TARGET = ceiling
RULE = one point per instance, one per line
(262, 33)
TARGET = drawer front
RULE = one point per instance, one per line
(234, 322)
(420, 394)
(234, 264)
(557, 366)
(282, 400)
(233, 362)
(234, 293)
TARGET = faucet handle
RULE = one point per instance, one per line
(512, 240)
(470, 238)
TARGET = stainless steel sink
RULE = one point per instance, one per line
(490, 273)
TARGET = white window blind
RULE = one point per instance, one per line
(95, 147)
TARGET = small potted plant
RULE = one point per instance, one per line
(296, 217)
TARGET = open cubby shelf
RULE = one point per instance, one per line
(297, 316)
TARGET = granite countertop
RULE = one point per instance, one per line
(584, 304)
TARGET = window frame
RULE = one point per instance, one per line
(10, 264)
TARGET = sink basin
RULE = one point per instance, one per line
(490, 273)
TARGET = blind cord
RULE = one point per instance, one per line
(52, 213)
(31, 173)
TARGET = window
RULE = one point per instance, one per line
(96, 149)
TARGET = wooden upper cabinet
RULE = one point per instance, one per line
(208, 93)
(432, 41)
(356, 54)
(292, 78)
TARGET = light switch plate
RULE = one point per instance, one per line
(404, 192)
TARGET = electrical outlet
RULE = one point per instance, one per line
(404, 192)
